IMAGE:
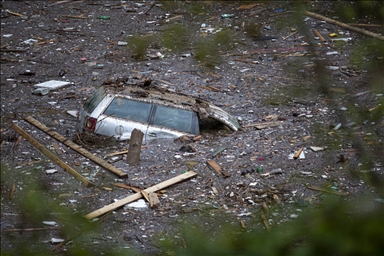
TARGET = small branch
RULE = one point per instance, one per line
(29, 229)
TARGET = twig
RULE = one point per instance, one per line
(290, 34)
(328, 191)
(343, 25)
(150, 8)
(29, 229)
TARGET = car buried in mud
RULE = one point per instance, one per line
(158, 113)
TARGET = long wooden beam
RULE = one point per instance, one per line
(343, 25)
(139, 195)
(76, 147)
(52, 156)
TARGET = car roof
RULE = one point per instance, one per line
(156, 95)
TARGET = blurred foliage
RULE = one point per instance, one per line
(175, 37)
(332, 229)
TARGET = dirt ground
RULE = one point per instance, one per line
(271, 73)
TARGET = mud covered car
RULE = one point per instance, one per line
(159, 114)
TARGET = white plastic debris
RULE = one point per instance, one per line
(50, 223)
(41, 91)
(52, 84)
(122, 43)
(50, 171)
(29, 41)
(314, 148)
(337, 127)
(73, 113)
(345, 39)
(141, 204)
(56, 240)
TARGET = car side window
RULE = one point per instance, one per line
(129, 109)
(174, 118)
(94, 100)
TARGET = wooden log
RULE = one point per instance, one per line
(343, 25)
(139, 195)
(76, 147)
(133, 156)
(52, 156)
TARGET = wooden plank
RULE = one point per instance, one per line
(57, 148)
(52, 156)
(137, 196)
(264, 125)
(343, 25)
(76, 147)
(214, 166)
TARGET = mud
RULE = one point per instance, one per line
(290, 93)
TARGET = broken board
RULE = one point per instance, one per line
(139, 195)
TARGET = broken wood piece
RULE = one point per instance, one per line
(265, 221)
(13, 187)
(297, 154)
(197, 138)
(81, 16)
(261, 126)
(328, 191)
(135, 142)
(317, 33)
(137, 196)
(117, 153)
(52, 156)
(343, 25)
(76, 147)
(242, 224)
(151, 197)
(214, 166)
(57, 148)
(122, 185)
(276, 171)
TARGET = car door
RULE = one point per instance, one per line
(122, 116)
(168, 122)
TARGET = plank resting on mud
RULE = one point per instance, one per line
(76, 147)
(139, 195)
(52, 156)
